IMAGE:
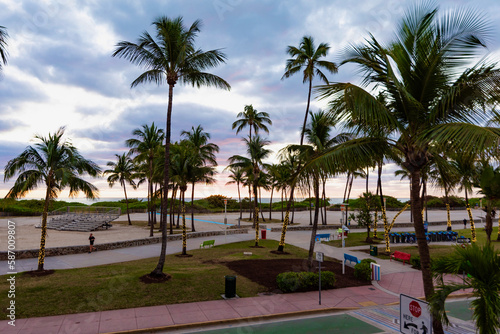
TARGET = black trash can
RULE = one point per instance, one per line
(396, 235)
(230, 291)
(373, 250)
(391, 237)
(403, 237)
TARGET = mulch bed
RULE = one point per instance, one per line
(264, 272)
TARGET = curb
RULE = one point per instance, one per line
(229, 321)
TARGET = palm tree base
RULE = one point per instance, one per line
(38, 273)
(281, 248)
(184, 255)
(155, 277)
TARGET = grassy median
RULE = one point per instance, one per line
(117, 286)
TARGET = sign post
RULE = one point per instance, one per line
(414, 316)
(319, 258)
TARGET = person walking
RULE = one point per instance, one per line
(91, 240)
(465, 223)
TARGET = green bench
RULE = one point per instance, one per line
(208, 243)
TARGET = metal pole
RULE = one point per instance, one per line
(342, 234)
(320, 283)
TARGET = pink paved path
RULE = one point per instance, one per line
(240, 310)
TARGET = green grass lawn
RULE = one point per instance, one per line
(117, 286)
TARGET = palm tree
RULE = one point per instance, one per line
(182, 168)
(489, 183)
(205, 152)
(170, 58)
(148, 141)
(430, 103)
(252, 118)
(122, 171)
(308, 59)
(237, 176)
(55, 163)
(482, 266)
(257, 153)
(3, 46)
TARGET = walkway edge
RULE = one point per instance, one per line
(229, 321)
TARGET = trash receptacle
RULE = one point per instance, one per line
(373, 250)
(230, 290)
(391, 237)
(263, 233)
(396, 236)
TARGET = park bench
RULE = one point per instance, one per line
(208, 243)
(402, 256)
(323, 236)
(350, 258)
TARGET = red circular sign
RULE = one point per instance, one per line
(415, 309)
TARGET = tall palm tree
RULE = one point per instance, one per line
(123, 171)
(205, 152)
(3, 46)
(149, 139)
(252, 118)
(432, 102)
(57, 164)
(308, 59)
(169, 58)
(482, 266)
(236, 176)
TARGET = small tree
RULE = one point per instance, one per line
(363, 216)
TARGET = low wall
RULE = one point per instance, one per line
(56, 251)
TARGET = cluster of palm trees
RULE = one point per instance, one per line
(192, 161)
(422, 103)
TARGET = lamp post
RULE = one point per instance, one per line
(225, 220)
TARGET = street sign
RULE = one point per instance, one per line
(463, 240)
(225, 202)
(414, 316)
(319, 256)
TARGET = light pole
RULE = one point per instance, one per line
(225, 220)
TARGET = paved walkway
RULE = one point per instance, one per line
(396, 278)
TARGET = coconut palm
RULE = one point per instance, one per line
(170, 58)
(308, 59)
(55, 163)
(3, 46)
(482, 266)
(432, 102)
(149, 139)
(122, 171)
(237, 176)
(252, 118)
(181, 165)
(205, 151)
(258, 153)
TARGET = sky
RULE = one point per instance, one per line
(60, 72)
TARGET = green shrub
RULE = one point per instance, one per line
(363, 270)
(304, 281)
(415, 262)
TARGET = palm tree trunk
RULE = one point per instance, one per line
(192, 209)
(271, 203)
(239, 200)
(126, 202)
(310, 210)
(307, 113)
(312, 242)
(423, 247)
(184, 235)
(255, 215)
(41, 252)
(488, 227)
(174, 190)
(158, 271)
(260, 205)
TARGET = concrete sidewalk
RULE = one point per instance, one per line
(396, 278)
